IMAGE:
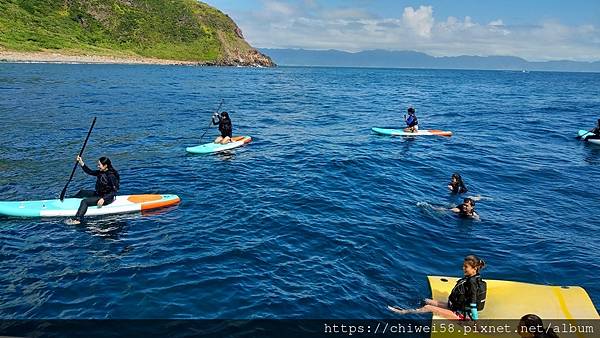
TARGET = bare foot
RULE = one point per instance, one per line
(398, 310)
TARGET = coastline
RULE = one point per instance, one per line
(55, 57)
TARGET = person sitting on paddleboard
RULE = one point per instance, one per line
(468, 294)
(457, 186)
(531, 326)
(411, 121)
(107, 185)
(225, 127)
(466, 209)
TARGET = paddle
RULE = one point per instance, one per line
(64, 191)
(210, 123)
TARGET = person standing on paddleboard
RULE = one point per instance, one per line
(411, 121)
(225, 127)
(107, 186)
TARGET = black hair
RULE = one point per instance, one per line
(469, 200)
(411, 110)
(225, 115)
(461, 187)
(533, 324)
(106, 161)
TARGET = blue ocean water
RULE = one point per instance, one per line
(317, 217)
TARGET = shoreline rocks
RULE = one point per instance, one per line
(252, 59)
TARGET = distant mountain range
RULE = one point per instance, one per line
(410, 59)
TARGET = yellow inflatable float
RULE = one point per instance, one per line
(508, 301)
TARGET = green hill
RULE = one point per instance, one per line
(185, 30)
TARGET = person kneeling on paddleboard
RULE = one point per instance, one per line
(466, 209)
(411, 121)
(225, 127)
(107, 185)
(466, 299)
(457, 186)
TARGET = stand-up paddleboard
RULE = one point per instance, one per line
(401, 132)
(236, 141)
(586, 133)
(68, 207)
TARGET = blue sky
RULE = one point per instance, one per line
(535, 30)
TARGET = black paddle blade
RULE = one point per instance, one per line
(63, 193)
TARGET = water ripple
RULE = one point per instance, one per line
(317, 217)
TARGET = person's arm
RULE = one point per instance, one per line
(455, 209)
(86, 169)
(216, 119)
(90, 171)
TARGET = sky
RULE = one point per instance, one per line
(537, 30)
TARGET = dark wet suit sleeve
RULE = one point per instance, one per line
(216, 120)
(89, 171)
(595, 134)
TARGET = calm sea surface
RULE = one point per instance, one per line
(317, 217)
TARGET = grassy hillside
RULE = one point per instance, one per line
(166, 29)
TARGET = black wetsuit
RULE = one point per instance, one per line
(107, 184)
(225, 126)
(463, 211)
(458, 188)
(412, 121)
(463, 295)
(595, 136)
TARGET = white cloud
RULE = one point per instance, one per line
(496, 23)
(278, 8)
(312, 26)
(347, 14)
(420, 20)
